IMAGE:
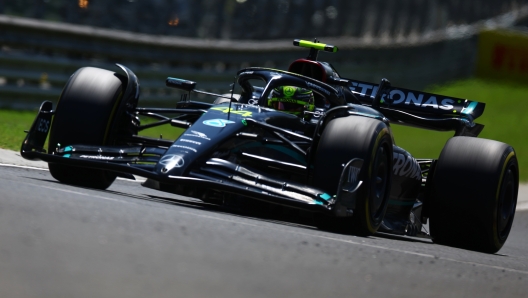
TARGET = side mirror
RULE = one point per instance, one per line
(180, 84)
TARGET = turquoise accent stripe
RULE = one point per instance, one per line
(288, 152)
(325, 196)
(470, 108)
(67, 149)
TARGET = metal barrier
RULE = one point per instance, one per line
(37, 57)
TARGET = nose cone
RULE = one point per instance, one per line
(171, 161)
(199, 141)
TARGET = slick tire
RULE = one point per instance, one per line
(474, 194)
(356, 137)
(84, 115)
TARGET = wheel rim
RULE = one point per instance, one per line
(506, 208)
(379, 187)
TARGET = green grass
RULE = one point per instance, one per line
(505, 119)
(13, 124)
(164, 131)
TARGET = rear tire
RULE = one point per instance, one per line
(356, 137)
(85, 114)
(474, 194)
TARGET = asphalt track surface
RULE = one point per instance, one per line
(58, 240)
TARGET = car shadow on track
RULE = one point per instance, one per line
(269, 213)
(403, 238)
(254, 210)
(284, 217)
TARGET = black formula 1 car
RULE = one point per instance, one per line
(335, 157)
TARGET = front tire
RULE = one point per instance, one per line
(474, 195)
(357, 137)
(85, 114)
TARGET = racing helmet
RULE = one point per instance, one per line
(290, 99)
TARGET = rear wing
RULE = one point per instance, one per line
(422, 109)
(399, 105)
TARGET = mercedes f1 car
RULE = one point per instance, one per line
(305, 138)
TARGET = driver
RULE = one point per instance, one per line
(293, 100)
